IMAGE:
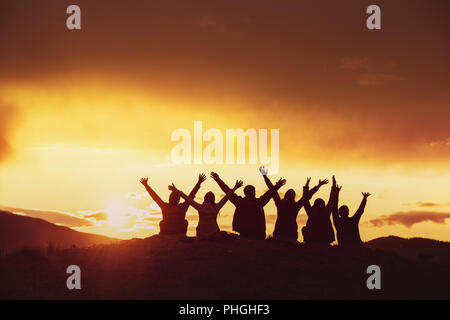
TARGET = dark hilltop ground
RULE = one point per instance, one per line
(173, 268)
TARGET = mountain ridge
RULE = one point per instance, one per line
(17, 231)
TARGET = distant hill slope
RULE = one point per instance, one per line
(17, 232)
(420, 248)
(189, 268)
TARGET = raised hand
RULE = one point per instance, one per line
(201, 177)
(366, 194)
(335, 187)
(238, 184)
(281, 182)
(173, 188)
(263, 171)
(306, 186)
(144, 181)
(322, 182)
(214, 175)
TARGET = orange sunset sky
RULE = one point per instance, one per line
(86, 113)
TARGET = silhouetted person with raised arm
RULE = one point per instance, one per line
(174, 213)
(286, 228)
(208, 210)
(347, 228)
(318, 229)
(248, 219)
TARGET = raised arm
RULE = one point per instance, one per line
(306, 198)
(273, 189)
(225, 188)
(230, 192)
(189, 200)
(335, 189)
(201, 179)
(362, 206)
(331, 198)
(220, 182)
(152, 193)
(308, 193)
(312, 191)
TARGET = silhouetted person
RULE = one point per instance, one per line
(208, 210)
(173, 213)
(318, 229)
(248, 219)
(286, 228)
(347, 228)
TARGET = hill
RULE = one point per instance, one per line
(17, 232)
(188, 268)
(420, 248)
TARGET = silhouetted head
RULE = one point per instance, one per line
(319, 204)
(209, 197)
(249, 191)
(344, 211)
(289, 195)
(174, 198)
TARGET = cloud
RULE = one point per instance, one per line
(97, 216)
(152, 219)
(370, 73)
(409, 218)
(431, 204)
(375, 79)
(133, 195)
(352, 63)
(213, 24)
(240, 79)
(56, 217)
(7, 115)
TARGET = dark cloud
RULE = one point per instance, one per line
(56, 217)
(409, 218)
(369, 72)
(355, 63)
(375, 79)
(377, 95)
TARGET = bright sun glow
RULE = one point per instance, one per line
(117, 213)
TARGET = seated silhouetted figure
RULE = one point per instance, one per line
(318, 229)
(248, 219)
(286, 228)
(208, 211)
(347, 228)
(174, 213)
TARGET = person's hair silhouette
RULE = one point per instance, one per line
(173, 212)
(318, 229)
(248, 219)
(286, 228)
(347, 228)
(208, 210)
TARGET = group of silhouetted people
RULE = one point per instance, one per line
(249, 218)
